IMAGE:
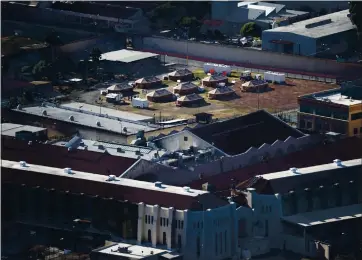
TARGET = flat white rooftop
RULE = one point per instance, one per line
(107, 124)
(107, 111)
(339, 99)
(134, 251)
(127, 56)
(326, 216)
(313, 169)
(101, 178)
(128, 151)
(10, 129)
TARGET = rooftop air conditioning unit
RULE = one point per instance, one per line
(111, 178)
(22, 163)
(158, 184)
(68, 170)
(187, 189)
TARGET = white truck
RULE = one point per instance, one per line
(140, 102)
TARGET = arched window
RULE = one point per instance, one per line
(220, 238)
(216, 243)
(179, 241)
(225, 241)
(198, 246)
(149, 236)
(164, 240)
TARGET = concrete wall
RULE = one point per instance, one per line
(106, 43)
(249, 57)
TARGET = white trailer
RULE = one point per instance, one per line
(277, 77)
(113, 97)
(218, 68)
(140, 102)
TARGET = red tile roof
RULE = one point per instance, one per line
(57, 156)
(345, 149)
(106, 189)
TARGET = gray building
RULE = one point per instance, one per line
(324, 36)
(24, 132)
(234, 15)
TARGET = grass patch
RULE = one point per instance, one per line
(199, 73)
(169, 83)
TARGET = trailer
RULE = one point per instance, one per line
(140, 102)
(113, 97)
(277, 77)
(218, 68)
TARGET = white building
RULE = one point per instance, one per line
(206, 233)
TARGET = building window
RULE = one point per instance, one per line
(152, 220)
(182, 224)
(160, 221)
(185, 138)
(198, 224)
(149, 236)
(355, 131)
(220, 238)
(215, 243)
(145, 219)
(179, 241)
(301, 123)
(198, 247)
(167, 222)
(309, 125)
(356, 116)
(225, 240)
(164, 238)
(266, 228)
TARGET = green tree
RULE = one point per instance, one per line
(96, 55)
(355, 10)
(251, 29)
(54, 41)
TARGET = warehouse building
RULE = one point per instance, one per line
(324, 36)
(126, 61)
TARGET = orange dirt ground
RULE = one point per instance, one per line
(280, 97)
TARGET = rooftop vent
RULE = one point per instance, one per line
(98, 123)
(158, 184)
(44, 113)
(22, 163)
(338, 162)
(293, 170)
(187, 189)
(71, 118)
(68, 170)
(111, 178)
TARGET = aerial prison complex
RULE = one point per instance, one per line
(252, 215)
(290, 210)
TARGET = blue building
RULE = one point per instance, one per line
(324, 36)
